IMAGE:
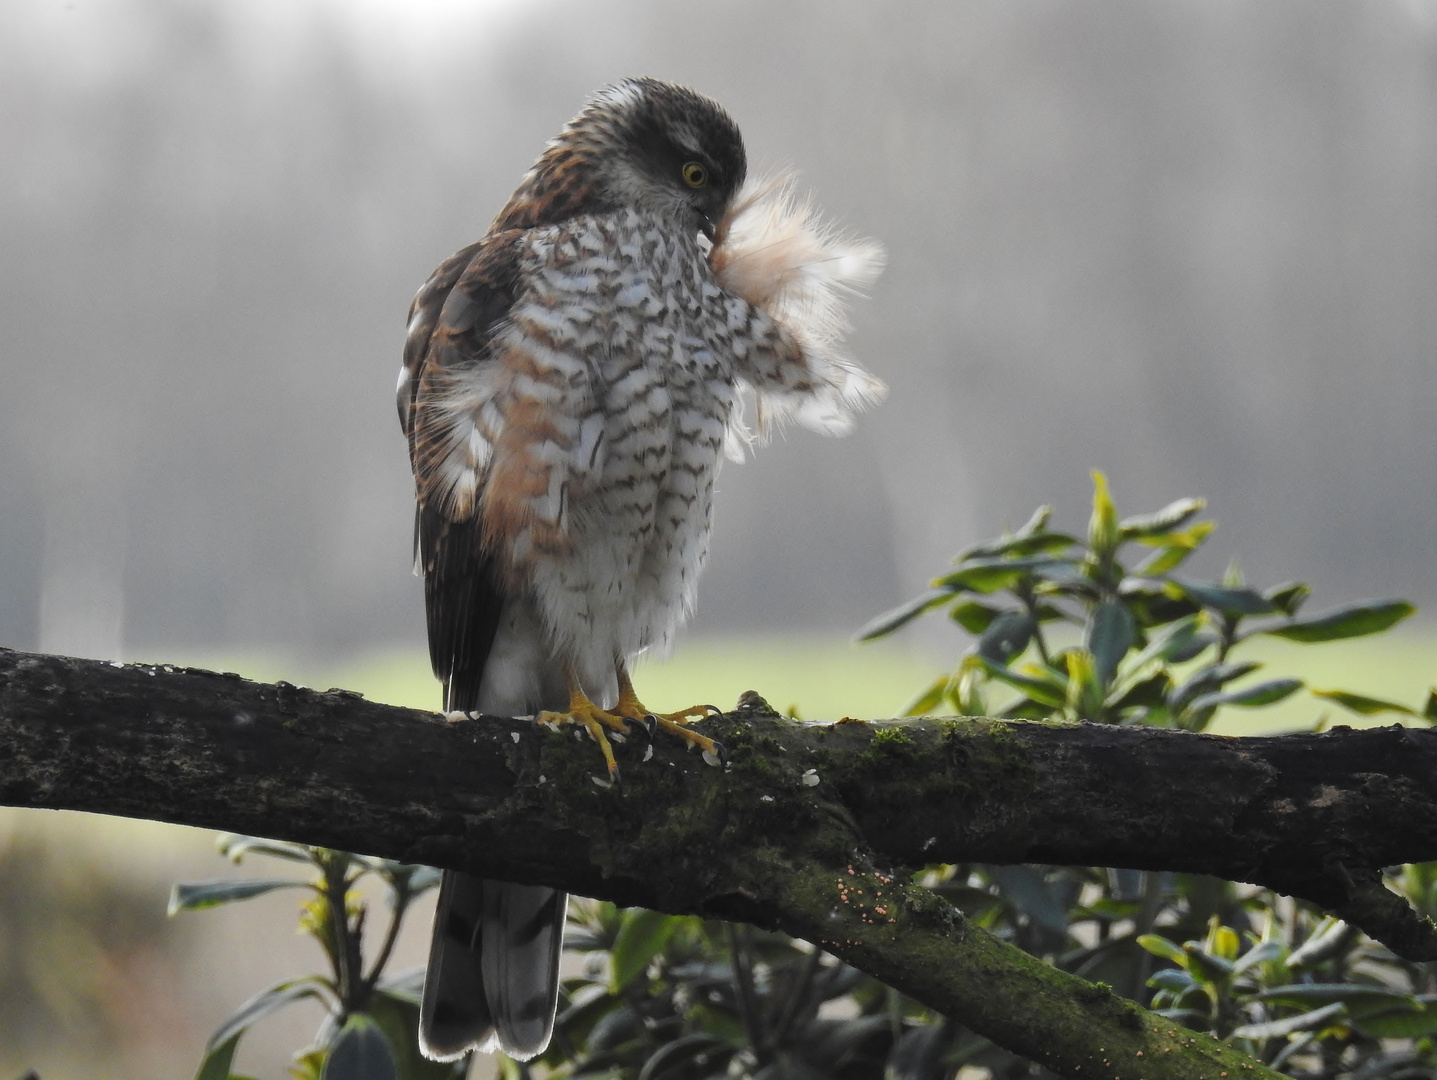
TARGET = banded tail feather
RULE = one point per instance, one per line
(493, 978)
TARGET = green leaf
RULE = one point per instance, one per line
(1051, 613)
(1103, 534)
(1400, 1023)
(360, 1051)
(1174, 979)
(1362, 704)
(1207, 679)
(407, 985)
(1330, 938)
(1204, 966)
(681, 1058)
(1288, 597)
(269, 1001)
(1171, 517)
(930, 699)
(1187, 1017)
(1084, 696)
(1154, 604)
(398, 1017)
(423, 879)
(1037, 523)
(1163, 644)
(1226, 599)
(234, 847)
(1007, 636)
(1039, 683)
(642, 936)
(307, 1064)
(1109, 635)
(1166, 558)
(1353, 620)
(984, 575)
(1149, 693)
(966, 691)
(1351, 993)
(890, 621)
(1028, 891)
(1232, 577)
(218, 1058)
(1024, 708)
(973, 616)
(196, 895)
(1014, 546)
(1261, 953)
(1315, 1020)
(1187, 541)
(412, 879)
(1249, 697)
(1222, 941)
(1190, 650)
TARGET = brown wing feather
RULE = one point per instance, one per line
(451, 326)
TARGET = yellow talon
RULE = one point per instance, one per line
(599, 722)
(675, 723)
(593, 719)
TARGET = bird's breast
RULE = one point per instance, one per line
(634, 307)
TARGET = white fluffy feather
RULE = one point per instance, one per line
(774, 250)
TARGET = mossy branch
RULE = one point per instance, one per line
(802, 832)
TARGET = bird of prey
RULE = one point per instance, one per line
(571, 382)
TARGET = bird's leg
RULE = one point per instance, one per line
(675, 723)
(594, 720)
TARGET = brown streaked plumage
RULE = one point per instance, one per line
(570, 384)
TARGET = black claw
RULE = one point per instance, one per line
(714, 710)
(646, 726)
(651, 725)
(721, 752)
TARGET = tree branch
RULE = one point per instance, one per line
(799, 833)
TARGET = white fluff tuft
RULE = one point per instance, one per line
(774, 250)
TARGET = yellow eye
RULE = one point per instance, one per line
(695, 175)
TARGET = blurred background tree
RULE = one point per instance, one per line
(1190, 244)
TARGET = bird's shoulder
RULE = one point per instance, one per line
(455, 313)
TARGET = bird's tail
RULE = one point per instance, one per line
(493, 977)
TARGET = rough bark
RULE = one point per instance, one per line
(801, 832)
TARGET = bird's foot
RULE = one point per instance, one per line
(599, 723)
(606, 726)
(675, 723)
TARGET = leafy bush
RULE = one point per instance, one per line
(372, 1020)
(665, 998)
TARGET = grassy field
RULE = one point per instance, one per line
(826, 677)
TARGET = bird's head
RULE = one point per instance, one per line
(640, 144)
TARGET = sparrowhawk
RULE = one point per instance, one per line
(571, 382)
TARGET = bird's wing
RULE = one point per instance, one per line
(494, 958)
(444, 391)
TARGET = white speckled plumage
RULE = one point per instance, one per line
(570, 386)
(625, 341)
